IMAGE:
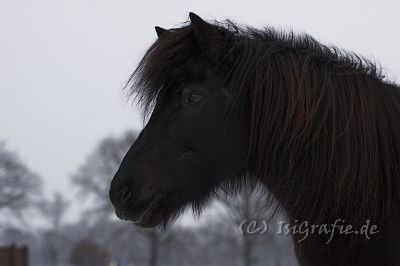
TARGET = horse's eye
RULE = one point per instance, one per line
(195, 98)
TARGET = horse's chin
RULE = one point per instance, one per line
(153, 214)
(154, 220)
(166, 214)
(149, 216)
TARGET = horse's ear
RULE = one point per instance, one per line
(160, 31)
(212, 39)
(200, 28)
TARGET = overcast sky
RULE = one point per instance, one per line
(63, 63)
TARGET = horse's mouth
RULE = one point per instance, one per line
(150, 216)
(153, 214)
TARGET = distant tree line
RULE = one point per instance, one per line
(98, 238)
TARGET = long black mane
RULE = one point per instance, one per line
(324, 124)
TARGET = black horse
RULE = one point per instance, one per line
(319, 127)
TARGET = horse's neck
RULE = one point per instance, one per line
(382, 249)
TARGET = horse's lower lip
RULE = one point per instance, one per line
(154, 220)
(152, 215)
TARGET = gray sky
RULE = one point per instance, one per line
(63, 63)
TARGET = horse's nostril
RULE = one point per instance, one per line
(125, 194)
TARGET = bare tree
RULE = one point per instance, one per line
(94, 177)
(87, 253)
(54, 240)
(18, 184)
(249, 206)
